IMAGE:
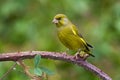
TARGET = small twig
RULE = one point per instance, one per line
(11, 68)
(56, 56)
(26, 70)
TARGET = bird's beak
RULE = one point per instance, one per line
(55, 21)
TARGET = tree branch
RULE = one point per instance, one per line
(56, 56)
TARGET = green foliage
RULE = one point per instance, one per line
(27, 25)
(47, 71)
(37, 59)
(39, 70)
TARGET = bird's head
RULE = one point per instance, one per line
(61, 20)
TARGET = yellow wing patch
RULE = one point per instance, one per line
(83, 41)
(74, 32)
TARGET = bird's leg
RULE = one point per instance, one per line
(81, 55)
(67, 50)
(65, 53)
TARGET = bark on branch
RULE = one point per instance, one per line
(56, 56)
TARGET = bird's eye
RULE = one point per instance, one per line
(59, 18)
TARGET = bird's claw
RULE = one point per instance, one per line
(81, 57)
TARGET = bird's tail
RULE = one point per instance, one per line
(89, 53)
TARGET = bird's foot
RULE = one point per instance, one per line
(79, 56)
(85, 56)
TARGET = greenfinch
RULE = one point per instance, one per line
(69, 35)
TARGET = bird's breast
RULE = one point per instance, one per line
(71, 41)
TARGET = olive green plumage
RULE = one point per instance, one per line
(69, 34)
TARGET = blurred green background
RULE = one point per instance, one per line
(26, 25)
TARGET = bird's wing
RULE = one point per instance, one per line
(76, 32)
(89, 45)
(86, 42)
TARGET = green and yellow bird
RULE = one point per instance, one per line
(69, 35)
